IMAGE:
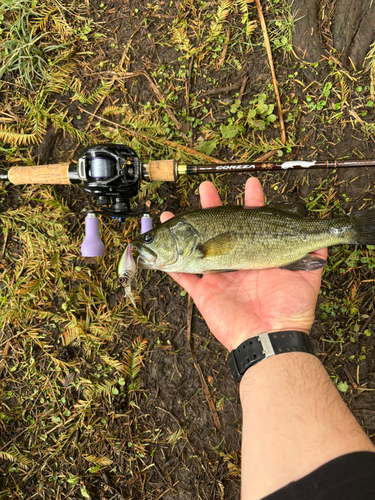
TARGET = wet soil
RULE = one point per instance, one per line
(351, 33)
(173, 398)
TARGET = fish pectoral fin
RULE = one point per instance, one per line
(297, 208)
(219, 245)
(307, 263)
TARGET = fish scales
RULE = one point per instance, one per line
(234, 238)
(266, 237)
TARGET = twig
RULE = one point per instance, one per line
(159, 96)
(168, 110)
(270, 61)
(197, 367)
(369, 319)
(165, 142)
(4, 245)
(21, 333)
(124, 57)
(221, 90)
(267, 156)
(187, 97)
(164, 492)
(170, 414)
(351, 380)
(4, 355)
(242, 89)
(225, 48)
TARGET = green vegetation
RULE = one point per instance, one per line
(83, 408)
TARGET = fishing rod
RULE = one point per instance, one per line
(112, 173)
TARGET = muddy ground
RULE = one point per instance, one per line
(204, 462)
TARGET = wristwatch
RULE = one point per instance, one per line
(264, 346)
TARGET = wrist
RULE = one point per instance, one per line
(277, 363)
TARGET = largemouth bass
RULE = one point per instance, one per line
(233, 238)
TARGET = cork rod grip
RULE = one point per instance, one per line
(162, 170)
(40, 174)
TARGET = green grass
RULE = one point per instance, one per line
(74, 403)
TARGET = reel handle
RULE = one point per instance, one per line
(40, 174)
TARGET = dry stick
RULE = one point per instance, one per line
(4, 355)
(4, 245)
(161, 98)
(21, 333)
(351, 380)
(124, 56)
(270, 61)
(187, 97)
(225, 48)
(267, 156)
(220, 90)
(164, 142)
(366, 324)
(242, 89)
(197, 367)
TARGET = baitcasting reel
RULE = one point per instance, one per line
(111, 173)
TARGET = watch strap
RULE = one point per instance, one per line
(264, 346)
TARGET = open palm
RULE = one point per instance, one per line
(242, 304)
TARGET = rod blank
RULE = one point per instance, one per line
(270, 166)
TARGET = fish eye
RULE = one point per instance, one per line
(149, 237)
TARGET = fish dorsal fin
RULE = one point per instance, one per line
(219, 245)
(297, 208)
(307, 263)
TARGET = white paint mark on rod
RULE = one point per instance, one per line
(297, 163)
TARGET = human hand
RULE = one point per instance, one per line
(243, 304)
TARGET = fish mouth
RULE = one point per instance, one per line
(146, 257)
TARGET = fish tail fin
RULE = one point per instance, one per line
(364, 226)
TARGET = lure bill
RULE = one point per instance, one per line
(126, 270)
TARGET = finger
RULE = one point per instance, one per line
(166, 216)
(254, 196)
(188, 281)
(209, 195)
(322, 253)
